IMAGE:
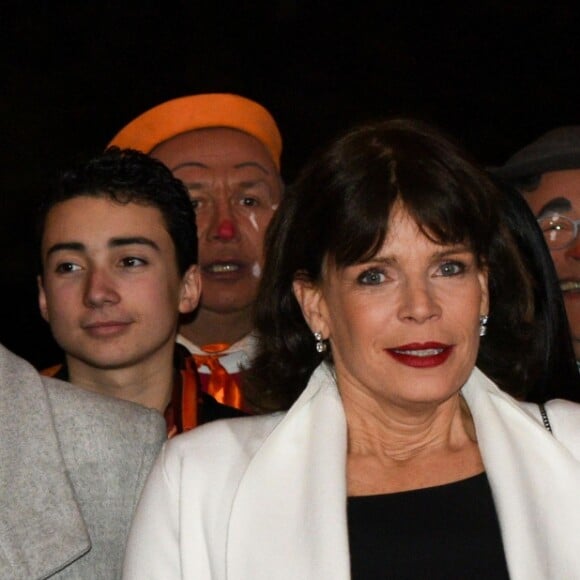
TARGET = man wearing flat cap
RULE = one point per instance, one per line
(547, 172)
(226, 149)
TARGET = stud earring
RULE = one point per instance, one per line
(483, 324)
(320, 344)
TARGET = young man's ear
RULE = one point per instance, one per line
(42, 299)
(190, 290)
(311, 301)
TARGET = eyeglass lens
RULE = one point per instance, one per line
(559, 231)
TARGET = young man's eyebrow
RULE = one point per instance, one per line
(131, 241)
(558, 204)
(74, 246)
(113, 243)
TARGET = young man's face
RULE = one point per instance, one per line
(111, 289)
(235, 188)
(559, 193)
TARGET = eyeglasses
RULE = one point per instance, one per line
(560, 231)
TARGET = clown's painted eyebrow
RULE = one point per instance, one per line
(556, 205)
(252, 164)
(255, 164)
(189, 164)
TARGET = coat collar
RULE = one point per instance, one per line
(41, 527)
(296, 482)
(534, 480)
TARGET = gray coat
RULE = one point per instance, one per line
(72, 465)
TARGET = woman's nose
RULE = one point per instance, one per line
(418, 302)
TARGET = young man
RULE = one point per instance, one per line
(226, 149)
(72, 465)
(547, 172)
(118, 266)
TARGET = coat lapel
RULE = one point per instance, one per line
(41, 527)
(535, 483)
(289, 516)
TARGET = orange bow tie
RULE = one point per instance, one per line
(222, 386)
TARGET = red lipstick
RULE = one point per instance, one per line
(421, 354)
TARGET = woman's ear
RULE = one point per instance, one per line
(311, 300)
(190, 290)
(483, 277)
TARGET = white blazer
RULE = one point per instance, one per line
(264, 498)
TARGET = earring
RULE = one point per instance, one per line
(483, 324)
(320, 344)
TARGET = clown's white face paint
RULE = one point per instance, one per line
(252, 218)
(256, 270)
(231, 178)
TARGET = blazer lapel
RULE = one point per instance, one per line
(41, 527)
(288, 519)
(535, 482)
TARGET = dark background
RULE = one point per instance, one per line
(495, 75)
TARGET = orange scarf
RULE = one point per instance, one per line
(222, 386)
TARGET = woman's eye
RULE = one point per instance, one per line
(371, 277)
(452, 268)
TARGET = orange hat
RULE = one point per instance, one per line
(201, 112)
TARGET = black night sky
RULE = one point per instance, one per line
(493, 74)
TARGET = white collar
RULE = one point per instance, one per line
(245, 344)
(297, 480)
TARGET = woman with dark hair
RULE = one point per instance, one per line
(390, 274)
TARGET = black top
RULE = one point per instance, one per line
(446, 532)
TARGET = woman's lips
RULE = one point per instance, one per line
(421, 355)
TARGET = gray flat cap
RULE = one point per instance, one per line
(556, 150)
